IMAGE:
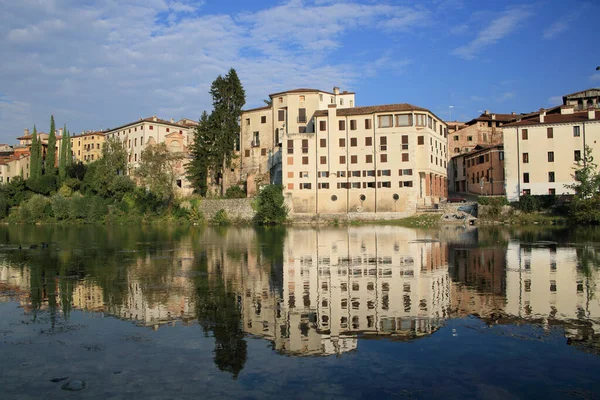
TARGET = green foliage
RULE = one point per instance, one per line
(65, 190)
(51, 154)
(532, 203)
(16, 192)
(60, 207)
(76, 171)
(221, 218)
(156, 171)
(270, 206)
(62, 160)
(201, 151)
(44, 184)
(35, 209)
(585, 206)
(492, 201)
(235, 192)
(34, 159)
(4, 206)
(79, 207)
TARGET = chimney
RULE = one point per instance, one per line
(26, 132)
(154, 118)
(542, 116)
(60, 131)
(566, 109)
(487, 112)
(513, 113)
(336, 90)
(493, 116)
(172, 120)
(591, 113)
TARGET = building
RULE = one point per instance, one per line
(13, 166)
(481, 171)
(335, 158)
(542, 151)
(87, 147)
(483, 130)
(583, 100)
(136, 136)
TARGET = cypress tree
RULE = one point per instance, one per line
(51, 154)
(33, 155)
(202, 155)
(69, 151)
(62, 162)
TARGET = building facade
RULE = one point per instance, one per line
(87, 147)
(483, 130)
(583, 100)
(542, 152)
(481, 171)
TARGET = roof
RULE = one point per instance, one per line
(257, 109)
(96, 133)
(372, 109)
(306, 90)
(580, 92)
(557, 119)
(497, 117)
(149, 119)
(30, 136)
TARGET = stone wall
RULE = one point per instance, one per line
(237, 209)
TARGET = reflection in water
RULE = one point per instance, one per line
(307, 291)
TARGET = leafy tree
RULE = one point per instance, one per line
(105, 176)
(156, 171)
(51, 154)
(202, 153)
(34, 157)
(62, 162)
(270, 206)
(585, 206)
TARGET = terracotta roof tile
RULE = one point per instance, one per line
(373, 109)
(149, 119)
(557, 119)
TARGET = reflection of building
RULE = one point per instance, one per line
(88, 296)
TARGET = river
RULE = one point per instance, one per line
(330, 312)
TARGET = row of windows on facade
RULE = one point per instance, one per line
(527, 192)
(350, 185)
(471, 162)
(551, 177)
(353, 159)
(550, 133)
(390, 121)
(383, 143)
(151, 127)
(475, 177)
(576, 156)
(331, 99)
(89, 147)
(354, 174)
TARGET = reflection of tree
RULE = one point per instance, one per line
(271, 240)
(219, 313)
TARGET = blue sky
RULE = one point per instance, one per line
(100, 64)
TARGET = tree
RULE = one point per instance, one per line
(51, 154)
(585, 206)
(228, 99)
(107, 175)
(156, 171)
(270, 206)
(34, 155)
(202, 154)
(69, 160)
(62, 161)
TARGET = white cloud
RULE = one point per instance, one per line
(498, 29)
(102, 64)
(506, 96)
(559, 26)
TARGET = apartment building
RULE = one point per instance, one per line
(136, 136)
(542, 151)
(480, 171)
(13, 166)
(87, 147)
(483, 130)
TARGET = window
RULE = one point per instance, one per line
(353, 142)
(407, 183)
(322, 125)
(320, 96)
(385, 172)
(353, 159)
(403, 172)
(385, 121)
(526, 192)
(247, 121)
(526, 177)
(352, 124)
(342, 125)
(421, 120)
(323, 174)
(323, 159)
(367, 123)
(549, 133)
(457, 150)
(323, 142)
(404, 120)
(455, 137)
(342, 159)
(263, 119)
(263, 152)
(383, 143)
(280, 115)
(302, 115)
(355, 174)
(383, 158)
(551, 176)
(151, 127)
(290, 147)
(552, 192)
(524, 134)
(429, 121)
(469, 138)
(305, 185)
(304, 146)
(404, 156)
(304, 160)
(553, 286)
(404, 142)
(281, 99)
(577, 155)
(421, 140)
(342, 142)
(301, 97)
(369, 158)
(341, 174)
(525, 158)
(501, 155)
(576, 132)
(323, 185)
(386, 184)
(550, 156)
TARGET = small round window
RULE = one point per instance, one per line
(362, 197)
(396, 197)
(333, 197)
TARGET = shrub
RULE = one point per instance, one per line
(45, 184)
(533, 203)
(60, 206)
(492, 201)
(270, 206)
(235, 192)
(65, 190)
(37, 208)
(97, 209)
(3, 206)
(79, 207)
(220, 218)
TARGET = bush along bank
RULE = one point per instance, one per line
(529, 210)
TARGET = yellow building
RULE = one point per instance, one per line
(542, 151)
(87, 147)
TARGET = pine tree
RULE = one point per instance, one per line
(62, 162)
(33, 155)
(51, 154)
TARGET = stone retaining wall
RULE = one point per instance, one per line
(237, 209)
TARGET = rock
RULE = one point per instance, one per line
(74, 386)
(59, 379)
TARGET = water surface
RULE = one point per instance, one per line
(358, 312)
